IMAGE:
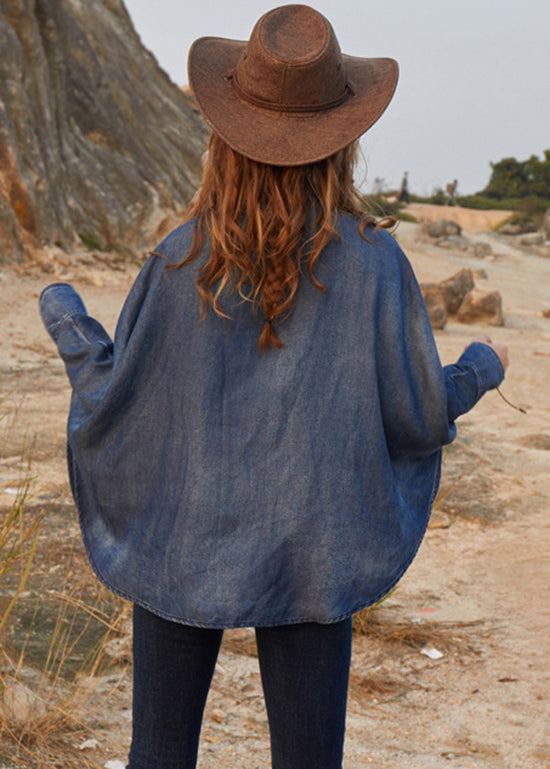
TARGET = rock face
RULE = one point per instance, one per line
(96, 143)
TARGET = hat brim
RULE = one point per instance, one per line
(283, 138)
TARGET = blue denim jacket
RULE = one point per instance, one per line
(220, 486)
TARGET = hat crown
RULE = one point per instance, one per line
(292, 61)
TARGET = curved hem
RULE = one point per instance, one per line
(363, 604)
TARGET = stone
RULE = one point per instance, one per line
(19, 704)
(484, 307)
(439, 520)
(442, 228)
(510, 229)
(532, 239)
(90, 744)
(97, 144)
(544, 251)
(458, 242)
(539, 441)
(455, 288)
(435, 304)
(480, 274)
(546, 224)
(481, 249)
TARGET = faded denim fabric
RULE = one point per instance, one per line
(222, 487)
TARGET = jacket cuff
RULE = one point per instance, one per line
(485, 364)
(59, 302)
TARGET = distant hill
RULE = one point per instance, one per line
(97, 145)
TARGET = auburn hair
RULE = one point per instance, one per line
(265, 224)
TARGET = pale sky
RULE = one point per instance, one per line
(474, 75)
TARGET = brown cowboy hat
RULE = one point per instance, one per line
(288, 96)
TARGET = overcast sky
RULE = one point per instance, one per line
(474, 84)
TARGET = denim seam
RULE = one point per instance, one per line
(479, 384)
(73, 318)
(464, 375)
(68, 315)
(50, 287)
(81, 333)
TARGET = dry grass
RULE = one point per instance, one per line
(446, 636)
(48, 709)
(45, 713)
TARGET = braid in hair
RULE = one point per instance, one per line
(264, 223)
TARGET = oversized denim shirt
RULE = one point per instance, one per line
(220, 486)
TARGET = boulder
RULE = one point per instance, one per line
(442, 228)
(544, 251)
(480, 274)
(510, 229)
(481, 249)
(435, 304)
(546, 224)
(458, 242)
(483, 307)
(19, 704)
(455, 288)
(532, 239)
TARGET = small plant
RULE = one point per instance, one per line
(362, 620)
(91, 241)
(18, 540)
(438, 197)
(381, 205)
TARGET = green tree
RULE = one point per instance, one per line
(511, 178)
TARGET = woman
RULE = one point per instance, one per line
(261, 445)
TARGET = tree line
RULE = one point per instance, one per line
(522, 186)
(511, 178)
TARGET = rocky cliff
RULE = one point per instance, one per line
(97, 145)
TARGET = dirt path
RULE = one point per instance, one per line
(477, 592)
(467, 218)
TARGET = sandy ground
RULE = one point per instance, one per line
(477, 592)
(467, 218)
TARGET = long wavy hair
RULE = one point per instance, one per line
(266, 225)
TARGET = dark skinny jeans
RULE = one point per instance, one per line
(304, 670)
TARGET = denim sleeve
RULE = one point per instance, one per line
(420, 398)
(82, 342)
(85, 347)
(411, 384)
(477, 370)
